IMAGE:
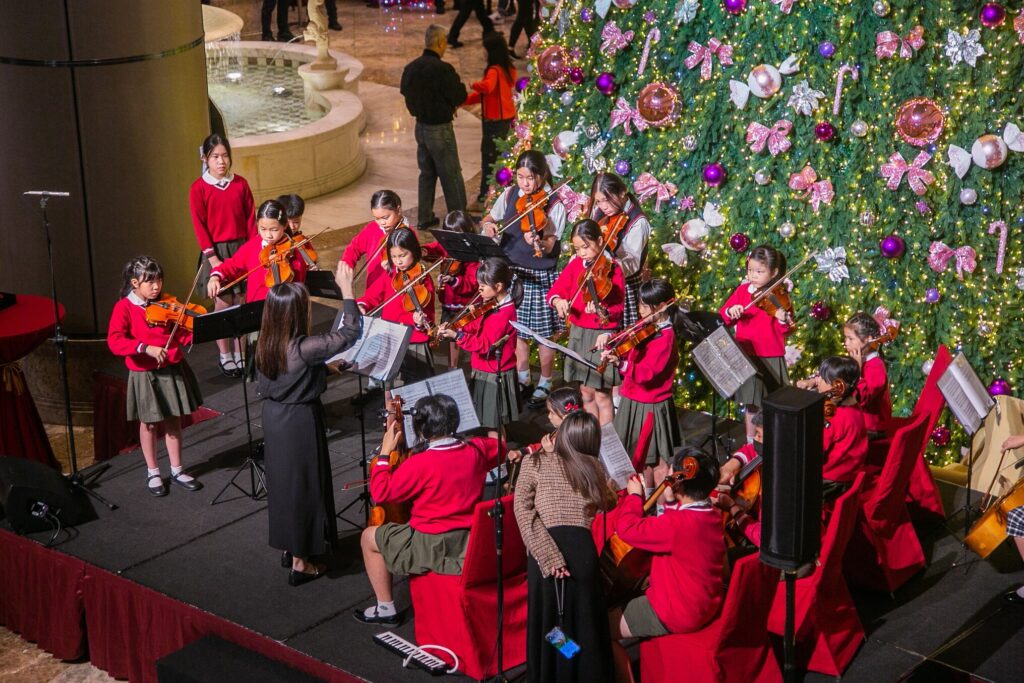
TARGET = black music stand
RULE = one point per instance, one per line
(468, 246)
(234, 323)
(321, 283)
(698, 325)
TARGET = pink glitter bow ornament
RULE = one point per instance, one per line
(785, 5)
(1001, 254)
(705, 56)
(649, 186)
(881, 316)
(625, 115)
(887, 42)
(939, 255)
(775, 138)
(817, 192)
(1018, 26)
(613, 39)
(917, 177)
(575, 202)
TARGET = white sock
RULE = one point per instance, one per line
(616, 401)
(382, 609)
(648, 490)
(225, 357)
(176, 472)
(155, 481)
(237, 357)
(524, 376)
(544, 382)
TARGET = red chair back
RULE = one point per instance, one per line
(480, 565)
(888, 495)
(931, 400)
(744, 615)
(837, 535)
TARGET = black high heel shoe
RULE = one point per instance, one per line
(297, 578)
(286, 559)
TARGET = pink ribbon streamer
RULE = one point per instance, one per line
(705, 56)
(775, 138)
(817, 192)
(939, 255)
(887, 42)
(917, 177)
(785, 5)
(647, 186)
(625, 115)
(614, 39)
(653, 36)
(843, 70)
(1001, 255)
(575, 202)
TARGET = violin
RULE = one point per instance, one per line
(398, 512)
(635, 337)
(274, 257)
(775, 296)
(625, 568)
(884, 339)
(167, 310)
(612, 229)
(534, 219)
(833, 397)
(413, 281)
(306, 250)
(745, 492)
(449, 268)
(471, 313)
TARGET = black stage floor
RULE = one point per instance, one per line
(216, 558)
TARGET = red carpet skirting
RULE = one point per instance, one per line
(54, 600)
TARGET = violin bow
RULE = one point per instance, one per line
(768, 289)
(409, 285)
(533, 205)
(184, 312)
(295, 245)
(636, 326)
(603, 245)
(472, 302)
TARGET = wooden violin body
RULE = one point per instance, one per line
(630, 341)
(391, 512)
(746, 491)
(167, 310)
(989, 531)
(534, 219)
(777, 298)
(613, 228)
(306, 250)
(596, 283)
(275, 258)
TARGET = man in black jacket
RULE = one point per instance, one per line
(433, 91)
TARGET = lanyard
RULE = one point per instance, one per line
(560, 599)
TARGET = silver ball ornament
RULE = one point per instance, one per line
(881, 8)
(690, 143)
(592, 131)
(867, 219)
(968, 196)
(566, 98)
(984, 328)
(787, 230)
(859, 128)
(762, 177)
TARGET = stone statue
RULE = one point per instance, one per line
(316, 31)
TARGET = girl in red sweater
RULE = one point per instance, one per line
(161, 387)
(499, 287)
(560, 402)
(845, 436)
(761, 336)
(688, 550)
(223, 217)
(404, 253)
(498, 111)
(457, 284)
(588, 333)
(648, 375)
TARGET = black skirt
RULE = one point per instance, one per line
(585, 618)
(300, 498)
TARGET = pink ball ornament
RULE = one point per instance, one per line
(999, 387)
(892, 246)
(605, 83)
(764, 80)
(576, 75)
(941, 436)
(739, 242)
(824, 131)
(735, 6)
(989, 152)
(553, 66)
(657, 104)
(992, 14)
(820, 310)
(919, 121)
(559, 147)
(714, 174)
(504, 176)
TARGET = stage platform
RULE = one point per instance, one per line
(214, 559)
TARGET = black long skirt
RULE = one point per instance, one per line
(300, 498)
(585, 618)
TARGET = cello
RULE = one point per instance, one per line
(392, 512)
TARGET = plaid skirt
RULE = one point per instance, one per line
(1015, 522)
(534, 311)
(632, 311)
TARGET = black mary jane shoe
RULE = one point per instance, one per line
(193, 485)
(229, 368)
(297, 578)
(1013, 598)
(286, 559)
(158, 491)
(390, 620)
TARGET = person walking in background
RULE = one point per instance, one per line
(526, 20)
(432, 92)
(497, 108)
(283, 34)
(465, 9)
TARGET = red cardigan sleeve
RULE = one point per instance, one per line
(249, 204)
(197, 207)
(375, 295)
(119, 332)
(647, 533)
(357, 247)
(387, 486)
(234, 267)
(485, 332)
(466, 284)
(733, 300)
(564, 280)
(656, 353)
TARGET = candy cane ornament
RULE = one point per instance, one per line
(1001, 254)
(653, 36)
(843, 70)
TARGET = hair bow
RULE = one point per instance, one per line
(614, 39)
(705, 56)
(776, 138)
(571, 407)
(647, 185)
(939, 255)
(881, 316)
(887, 42)
(817, 192)
(575, 202)
(626, 115)
(917, 177)
(785, 5)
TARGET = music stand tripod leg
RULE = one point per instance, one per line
(364, 495)
(257, 477)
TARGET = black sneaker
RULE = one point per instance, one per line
(389, 620)
(334, 25)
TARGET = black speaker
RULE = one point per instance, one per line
(30, 490)
(791, 497)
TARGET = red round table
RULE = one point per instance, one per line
(23, 327)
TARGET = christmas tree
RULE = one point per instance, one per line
(880, 139)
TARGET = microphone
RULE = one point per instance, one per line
(45, 193)
(496, 346)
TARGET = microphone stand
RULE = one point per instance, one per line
(78, 479)
(497, 512)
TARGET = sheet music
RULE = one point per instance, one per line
(564, 350)
(614, 456)
(451, 383)
(722, 361)
(965, 394)
(379, 351)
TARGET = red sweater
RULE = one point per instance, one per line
(456, 295)
(495, 94)
(444, 483)
(845, 445)
(481, 334)
(567, 283)
(366, 243)
(757, 333)
(128, 329)
(395, 311)
(686, 570)
(222, 215)
(873, 392)
(649, 370)
(247, 258)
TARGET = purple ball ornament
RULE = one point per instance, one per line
(824, 131)
(932, 295)
(714, 174)
(504, 176)
(826, 49)
(992, 14)
(521, 83)
(605, 83)
(999, 387)
(820, 310)
(735, 6)
(892, 246)
(739, 242)
(576, 75)
(622, 167)
(586, 15)
(941, 436)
